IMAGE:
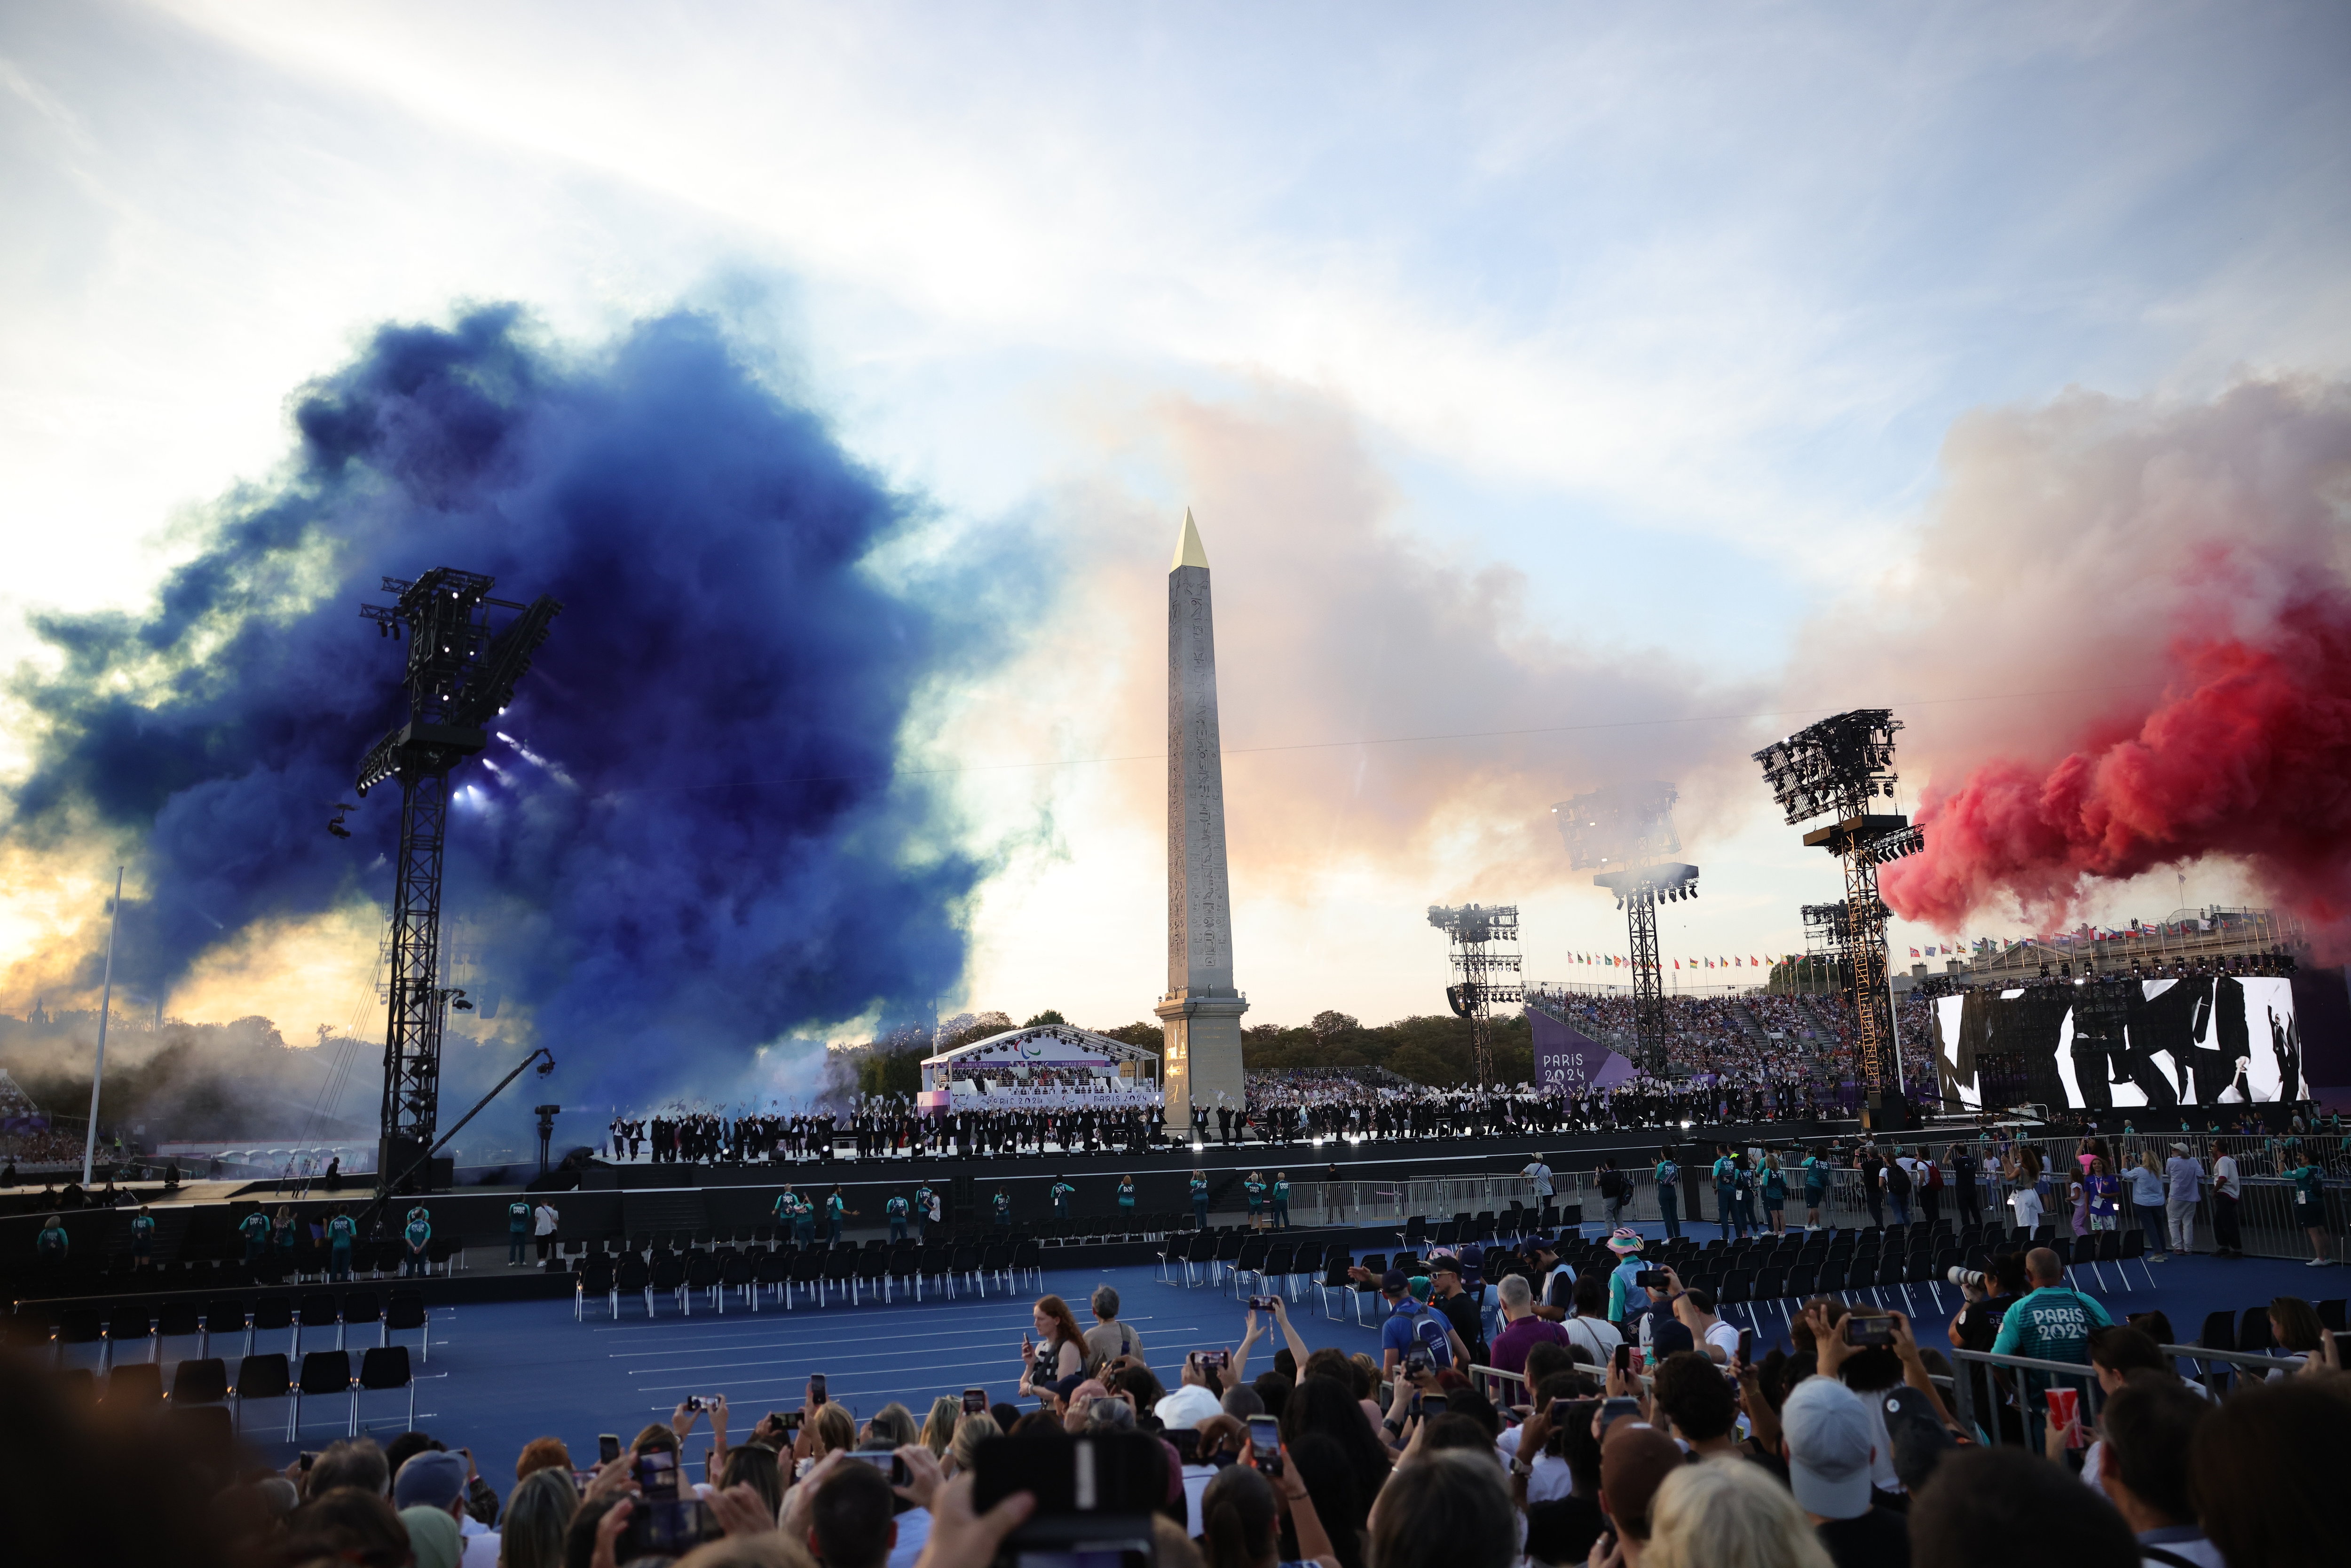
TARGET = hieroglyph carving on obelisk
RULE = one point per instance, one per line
(1201, 1064)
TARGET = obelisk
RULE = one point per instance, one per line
(1201, 1059)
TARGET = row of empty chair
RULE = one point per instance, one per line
(203, 1383)
(725, 1273)
(134, 1321)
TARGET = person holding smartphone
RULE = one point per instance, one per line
(1058, 1357)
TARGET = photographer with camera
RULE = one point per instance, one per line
(2051, 1322)
(1410, 1326)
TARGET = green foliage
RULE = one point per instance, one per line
(1430, 1048)
(1149, 1035)
(1048, 1017)
(891, 1071)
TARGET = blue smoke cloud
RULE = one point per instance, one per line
(634, 874)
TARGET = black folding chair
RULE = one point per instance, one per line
(384, 1368)
(325, 1372)
(200, 1380)
(407, 1310)
(263, 1377)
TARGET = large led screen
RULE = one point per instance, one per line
(2213, 1040)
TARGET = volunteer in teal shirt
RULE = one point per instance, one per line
(2051, 1322)
(416, 1233)
(1816, 1189)
(340, 1232)
(2310, 1207)
(1281, 1200)
(517, 1230)
(1670, 1202)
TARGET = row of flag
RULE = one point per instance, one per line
(1611, 960)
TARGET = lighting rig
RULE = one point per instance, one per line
(1486, 965)
(1839, 768)
(1626, 833)
(459, 677)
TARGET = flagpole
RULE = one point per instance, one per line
(105, 1006)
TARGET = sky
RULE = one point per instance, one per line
(1608, 392)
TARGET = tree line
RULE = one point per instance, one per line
(1433, 1049)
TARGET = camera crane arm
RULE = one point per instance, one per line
(384, 1189)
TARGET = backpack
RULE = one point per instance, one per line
(1934, 1175)
(1612, 1183)
(1898, 1181)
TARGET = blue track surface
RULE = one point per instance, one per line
(503, 1374)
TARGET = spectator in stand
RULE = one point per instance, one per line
(2226, 1241)
(2147, 1432)
(2183, 1184)
(1830, 1443)
(2294, 1327)
(938, 1427)
(434, 1480)
(538, 1516)
(1590, 1328)
(2006, 1506)
(1446, 1510)
(1702, 1408)
(1447, 1298)
(2146, 1194)
(1241, 1513)
(1199, 1396)
(1109, 1339)
(1727, 1514)
(1521, 1329)
(350, 1462)
(1057, 1358)
(847, 1515)
(1694, 1309)
(348, 1524)
(2266, 1470)
(970, 1433)
(1634, 1462)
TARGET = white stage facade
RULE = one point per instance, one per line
(1047, 1067)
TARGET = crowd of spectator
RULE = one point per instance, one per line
(1632, 1432)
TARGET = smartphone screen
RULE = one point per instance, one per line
(1616, 1410)
(608, 1447)
(1863, 1329)
(816, 1389)
(1624, 1358)
(889, 1464)
(1746, 1347)
(974, 1401)
(1265, 1434)
(1432, 1405)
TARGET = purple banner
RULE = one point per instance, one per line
(1568, 1062)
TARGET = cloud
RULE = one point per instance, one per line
(695, 846)
(2158, 592)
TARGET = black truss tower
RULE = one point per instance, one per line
(1623, 834)
(1488, 973)
(459, 677)
(1839, 768)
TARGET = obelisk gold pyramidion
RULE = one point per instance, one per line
(1201, 1064)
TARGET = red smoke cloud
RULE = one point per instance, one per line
(2248, 755)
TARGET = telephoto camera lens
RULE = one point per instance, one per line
(1964, 1277)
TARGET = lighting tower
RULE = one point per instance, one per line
(1487, 972)
(459, 677)
(1626, 833)
(1839, 768)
